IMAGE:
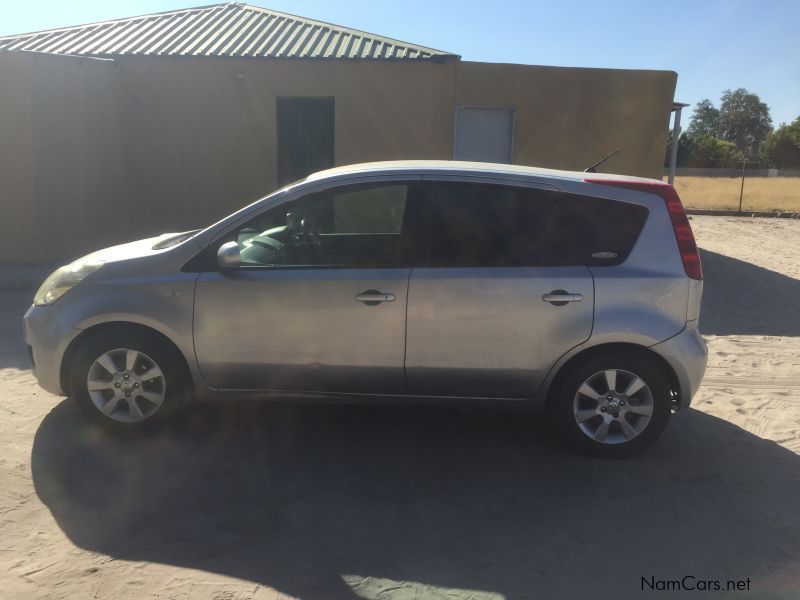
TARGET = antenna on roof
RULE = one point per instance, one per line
(593, 168)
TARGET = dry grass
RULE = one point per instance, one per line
(760, 193)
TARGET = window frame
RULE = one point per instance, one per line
(206, 260)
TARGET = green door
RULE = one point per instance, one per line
(305, 136)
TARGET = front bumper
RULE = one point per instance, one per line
(47, 338)
(687, 353)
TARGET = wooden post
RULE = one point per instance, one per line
(741, 189)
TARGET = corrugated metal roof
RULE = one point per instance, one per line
(232, 29)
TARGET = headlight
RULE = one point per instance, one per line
(63, 280)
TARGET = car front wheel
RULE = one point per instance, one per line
(128, 383)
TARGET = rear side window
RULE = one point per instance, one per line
(486, 225)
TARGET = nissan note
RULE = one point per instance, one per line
(414, 280)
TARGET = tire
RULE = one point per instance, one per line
(634, 421)
(137, 398)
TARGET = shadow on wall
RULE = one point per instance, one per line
(307, 499)
(13, 304)
(740, 298)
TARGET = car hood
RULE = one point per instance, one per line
(138, 249)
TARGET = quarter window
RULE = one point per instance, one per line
(485, 225)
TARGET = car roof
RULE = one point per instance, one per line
(422, 167)
(455, 167)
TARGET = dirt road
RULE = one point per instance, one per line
(267, 501)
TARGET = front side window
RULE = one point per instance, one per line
(350, 226)
(486, 225)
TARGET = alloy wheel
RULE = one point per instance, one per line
(613, 406)
(126, 385)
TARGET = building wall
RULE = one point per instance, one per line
(569, 118)
(200, 134)
(79, 161)
(96, 152)
(18, 205)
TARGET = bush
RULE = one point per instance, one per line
(781, 149)
(706, 151)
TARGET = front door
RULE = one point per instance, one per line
(319, 303)
(479, 320)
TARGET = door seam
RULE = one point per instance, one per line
(405, 329)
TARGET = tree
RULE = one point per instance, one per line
(685, 148)
(744, 121)
(706, 151)
(781, 148)
(705, 119)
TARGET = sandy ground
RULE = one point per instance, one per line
(266, 501)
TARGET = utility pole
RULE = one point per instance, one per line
(676, 134)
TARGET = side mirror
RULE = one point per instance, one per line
(228, 256)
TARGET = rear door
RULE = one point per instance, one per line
(503, 292)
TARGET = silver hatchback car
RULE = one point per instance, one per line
(414, 280)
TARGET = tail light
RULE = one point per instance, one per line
(680, 223)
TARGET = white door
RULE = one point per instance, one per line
(484, 134)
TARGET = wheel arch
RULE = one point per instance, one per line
(119, 328)
(604, 349)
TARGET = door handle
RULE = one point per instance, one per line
(561, 297)
(373, 297)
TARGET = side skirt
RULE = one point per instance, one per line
(534, 403)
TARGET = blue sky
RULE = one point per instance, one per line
(712, 44)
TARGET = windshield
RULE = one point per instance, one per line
(174, 239)
(233, 217)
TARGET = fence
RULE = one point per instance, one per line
(697, 172)
(726, 189)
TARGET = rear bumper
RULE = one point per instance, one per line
(687, 354)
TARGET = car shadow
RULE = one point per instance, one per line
(325, 502)
(740, 298)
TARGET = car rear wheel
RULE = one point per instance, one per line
(128, 383)
(613, 406)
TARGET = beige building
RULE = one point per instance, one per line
(117, 130)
